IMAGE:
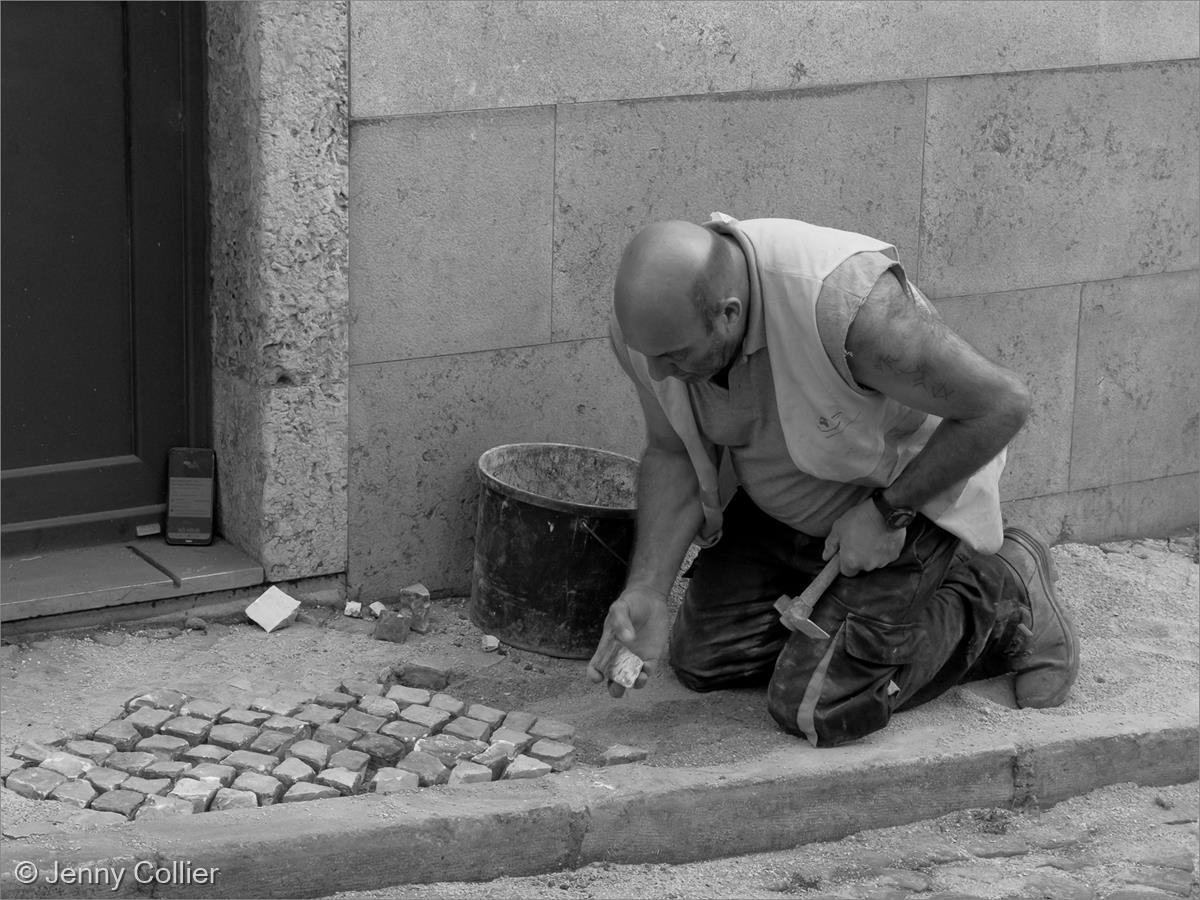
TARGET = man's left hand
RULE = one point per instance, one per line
(862, 540)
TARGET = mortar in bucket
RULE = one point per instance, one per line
(552, 544)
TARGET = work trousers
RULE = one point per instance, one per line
(898, 636)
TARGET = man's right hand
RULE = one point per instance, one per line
(639, 620)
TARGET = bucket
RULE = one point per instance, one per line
(552, 544)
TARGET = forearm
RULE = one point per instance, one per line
(669, 515)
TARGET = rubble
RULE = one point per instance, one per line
(273, 609)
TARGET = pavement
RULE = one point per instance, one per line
(719, 778)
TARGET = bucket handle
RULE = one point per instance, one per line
(599, 540)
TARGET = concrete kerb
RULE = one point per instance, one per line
(624, 814)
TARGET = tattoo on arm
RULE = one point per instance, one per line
(919, 376)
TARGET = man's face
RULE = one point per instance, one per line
(694, 354)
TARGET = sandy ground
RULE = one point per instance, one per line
(1135, 604)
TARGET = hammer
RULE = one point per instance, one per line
(795, 612)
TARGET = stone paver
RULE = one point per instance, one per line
(96, 751)
(433, 719)
(249, 761)
(194, 791)
(228, 798)
(408, 733)
(467, 772)
(67, 764)
(239, 716)
(76, 793)
(160, 698)
(520, 739)
(299, 793)
(147, 786)
(119, 801)
(166, 768)
(519, 721)
(383, 750)
(389, 780)
(149, 720)
(215, 772)
(496, 757)
(232, 736)
(204, 709)
(337, 700)
(468, 729)
(203, 753)
(450, 704)
(192, 729)
(487, 714)
(157, 807)
(354, 760)
(557, 755)
(432, 676)
(118, 732)
(359, 688)
(272, 743)
(32, 752)
(91, 818)
(267, 789)
(289, 725)
(277, 705)
(317, 715)
(314, 753)
(132, 763)
(525, 767)
(163, 746)
(361, 721)
(552, 729)
(450, 749)
(292, 770)
(620, 754)
(380, 707)
(337, 737)
(345, 781)
(106, 779)
(427, 767)
(10, 764)
(404, 696)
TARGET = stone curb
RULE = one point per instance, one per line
(625, 814)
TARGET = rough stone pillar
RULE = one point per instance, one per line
(279, 168)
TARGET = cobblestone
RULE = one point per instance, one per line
(408, 733)
(344, 781)
(249, 717)
(519, 721)
(557, 755)
(163, 746)
(358, 688)
(228, 798)
(75, 793)
(118, 732)
(159, 698)
(518, 739)
(192, 729)
(32, 752)
(526, 767)
(467, 772)
(96, 751)
(337, 700)
(203, 753)
(149, 720)
(433, 719)
(469, 729)
(266, 788)
(292, 770)
(380, 707)
(450, 704)
(389, 780)
(163, 808)
(620, 754)
(277, 705)
(488, 714)
(427, 767)
(147, 786)
(166, 768)
(272, 743)
(249, 761)
(314, 753)
(290, 725)
(552, 729)
(382, 750)
(194, 791)
(232, 736)
(404, 696)
(106, 779)
(300, 792)
(133, 762)
(120, 801)
(354, 760)
(317, 715)
(337, 736)
(67, 764)
(204, 709)
(10, 764)
(215, 772)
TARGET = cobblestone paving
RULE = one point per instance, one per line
(171, 754)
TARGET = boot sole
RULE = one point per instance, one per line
(1049, 574)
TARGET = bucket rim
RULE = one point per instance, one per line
(565, 506)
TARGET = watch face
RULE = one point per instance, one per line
(900, 518)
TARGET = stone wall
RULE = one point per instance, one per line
(1035, 163)
(278, 170)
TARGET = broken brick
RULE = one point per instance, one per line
(354, 760)
(298, 793)
(388, 780)
(203, 753)
(292, 770)
(215, 772)
(427, 767)
(552, 729)
(228, 798)
(132, 762)
(249, 761)
(404, 696)
(467, 772)
(519, 721)
(381, 707)
(96, 751)
(75, 793)
(161, 698)
(106, 779)
(383, 750)
(67, 764)
(416, 601)
(232, 737)
(34, 782)
(468, 729)
(196, 792)
(526, 767)
(289, 725)
(317, 715)
(203, 709)
(190, 728)
(118, 732)
(166, 768)
(408, 733)
(337, 700)
(338, 736)
(149, 720)
(272, 743)
(485, 714)
(157, 807)
(557, 755)
(163, 746)
(361, 721)
(119, 801)
(392, 626)
(520, 739)
(344, 781)
(147, 786)
(314, 753)
(452, 705)
(360, 688)
(267, 789)
(450, 749)
(433, 719)
(250, 717)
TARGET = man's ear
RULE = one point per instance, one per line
(732, 310)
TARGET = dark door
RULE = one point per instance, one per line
(104, 363)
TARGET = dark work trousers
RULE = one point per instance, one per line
(899, 636)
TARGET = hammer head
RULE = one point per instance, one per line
(797, 619)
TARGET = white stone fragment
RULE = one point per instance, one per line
(489, 642)
(273, 609)
(377, 609)
(353, 609)
(625, 668)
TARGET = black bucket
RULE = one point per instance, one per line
(552, 544)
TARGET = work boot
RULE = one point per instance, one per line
(1045, 656)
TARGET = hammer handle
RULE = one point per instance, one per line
(820, 584)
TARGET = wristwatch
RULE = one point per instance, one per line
(894, 517)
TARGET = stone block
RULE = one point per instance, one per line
(289, 725)
(118, 732)
(404, 696)
(416, 601)
(557, 755)
(519, 739)
(74, 793)
(452, 705)
(433, 719)
(344, 781)
(119, 801)
(277, 705)
(49, 736)
(268, 790)
(1109, 196)
(163, 746)
(9, 764)
(317, 715)
(389, 780)
(433, 676)
(147, 786)
(159, 698)
(34, 782)
(496, 757)
(354, 760)
(67, 764)
(381, 707)
(272, 743)
(620, 754)
(273, 609)
(314, 753)
(467, 772)
(32, 752)
(519, 721)
(427, 767)
(408, 733)
(468, 729)
(526, 767)
(359, 688)
(132, 763)
(96, 751)
(487, 714)
(221, 775)
(352, 609)
(157, 807)
(552, 729)
(383, 750)
(298, 793)
(337, 700)
(450, 749)
(232, 736)
(360, 721)
(208, 710)
(149, 720)
(191, 729)
(392, 626)
(250, 717)
(194, 791)
(203, 753)
(90, 818)
(228, 798)
(106, 779)
(249, 761)
(337, 737)
(166, 768)
(292, 770)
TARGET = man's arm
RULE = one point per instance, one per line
(669, 514)
(900, 347)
